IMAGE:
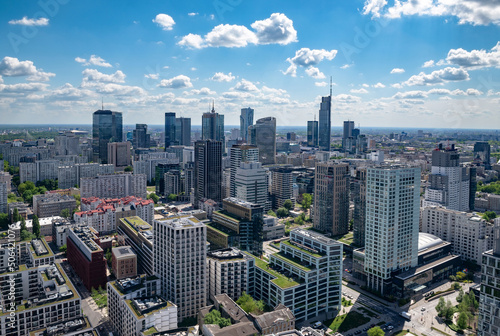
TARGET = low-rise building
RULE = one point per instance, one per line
(271, 229)
(124, 262)
(52, 204)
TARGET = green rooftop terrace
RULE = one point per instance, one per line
(316, 255)
(136, 220)
(292, 261)
(281, 280)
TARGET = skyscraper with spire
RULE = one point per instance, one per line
(325, 121)
(212, 126)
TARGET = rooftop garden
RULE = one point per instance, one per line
(281, 280)
(287, 242)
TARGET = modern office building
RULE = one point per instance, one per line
(140, 136)
(312, 133)
(392, 223)
(212, 126)
(358, 195)
(489, 297)
(251, 184)
(237, 155)
(114, 186)
(469, 234)
(449, 182)
(183, 131)
(325, 123)
(138, 235)
(208, 171)
(263, 136)
(281, 186)
(246, 119)
(160, 170)
(124, 262)
(180, 253)
(52, 204)
(107, 126)
(119, 154)
(331, 198)
(170, 131)
(86, 257)
(482, 154)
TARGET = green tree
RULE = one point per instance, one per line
(63, 248)
(15, 216)
(460, 295)
(214, 317)
(299, 220)
(109, 257)
(4, 221)
(172, 197)
(462, 320)
(271, 213)
(129, 169)
(375, 331)
(65, 213)
(306, 201)
(489, 215)
(456, 286)
(36, 226)
(449, 310)
(288, 204)
(282, 212)
(154, 197)
(440, 307)
(249, 305)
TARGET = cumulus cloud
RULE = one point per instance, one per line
(192, 14)
(438, 77)
(397, 71)
(93, 75)
(30, 22)
(308, 59)
(475, 58)
(346, 66)
(321, 83)
(165, 21)
(117, 89)
(379, 86)
(410, 95)
(476, 12)
(222, 77)
(359, 91)
(12, 67)
(246, 86)
(69, 92)
(22, 88)
(93, 60)
(202, 92)
(177, 82)
(277, 29)
(428, 64)
(346, 98)
(456, 92)
(152, 76)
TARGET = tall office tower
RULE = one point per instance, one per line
(392, 221)
(212, 126)
(348, 128)
(489, 297)
(331, 198)
(312, 133)
(183, 131)
(119, 154)
(170, 129)
(141, 138)
(325, 122)
(246, 119)
(207, 170)
(482, 154)
(238, 154)
(263, 135)
(251, 184)
(449, 183)
(107, 126)
(358, 193)
(349, 137)
(281, 186)
(180, 254)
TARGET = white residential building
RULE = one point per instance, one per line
(70, 175)
(251, 183)
(38, 170)
(147, 163)
(114, 186)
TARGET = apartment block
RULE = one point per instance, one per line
(147, 163)
(69, 176)
(52, 204)
(5, 177)
(281, 186)
(138, 235)
(124, 262)
(4, 197)
(114, 186)
(38, 170)
(143, 208)
(119, 154)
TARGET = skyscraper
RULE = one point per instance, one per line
(348, 128)
(358, 193)
(207, 170)
(312, 133)
(141, 138)
(246, 119)
(238, 154)
(392, 221)
(180, 254)
(170, 134)
(331, 198)
(212, 126)
(119, 154)
(281, 186)
(325, 122)
(263, 135)
(183, 131)
(482, 154)
(251, 184)
(107, 126)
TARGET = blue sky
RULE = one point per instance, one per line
(423, 63)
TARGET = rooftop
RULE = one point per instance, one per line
(87, 236)
(181, 221)
(280, 280)
(123, 251)
(143, 306)
(226, 254)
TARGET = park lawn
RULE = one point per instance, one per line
(100, 298)
(347, 321)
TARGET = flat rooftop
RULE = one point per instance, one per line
(228, 253)
(123, 252)
(417, 270)
(86, 236)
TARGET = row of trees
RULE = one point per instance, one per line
(467, 309)
(28, 189)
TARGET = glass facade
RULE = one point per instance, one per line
(107, 126)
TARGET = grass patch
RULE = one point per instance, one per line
(367, 312)
(440, 331)
(347, 321)
(100, 297)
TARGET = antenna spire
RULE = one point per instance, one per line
(331, 86)
(213, 106)
(102, 103)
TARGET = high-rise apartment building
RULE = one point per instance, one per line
(107, 126)
(358, 195)
(114, 186)
(237, 155)
(246, 119)
(68, 176)
(38, 170)
(124, 262)
(325, 123)
(208, 170)
(263, 135)
(139, 235)
(331, 198)
(119, 154)
(281, 186)
(183, 131)
(170, 134)
(180, 253)
(312, 133)
(3, 197)
(67, 144)
(449, 183)
(251, 184)
(392, 221)
(140, 136)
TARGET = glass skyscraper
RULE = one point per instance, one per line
(312, 133)
(107, 126)
(325, 123)
(246, 119)
(169, 129)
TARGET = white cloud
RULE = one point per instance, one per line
(202, 92)
(221, 77)
(346, 66)
(93, 75)
(347, 99)
(164, 21)
(193, 69)
(1, 80)
(93, 60)
(321, 83)
(22, 87)
(379, 85)
(30, 22)
(456, 92)
(277, 29)
(410, 95)
(236, 95)
(475, 58)
(12, 67)
(308, 58)
(314, 73)
(476, 12)
(115, 89)
(428, 64)
(152, 76)
(246, 86)
(437, 77)
(177, 82)
(359, 91)
(68, 92)
(192, 14)
(397, 71)
(365, 85)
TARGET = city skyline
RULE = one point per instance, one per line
(59, 63)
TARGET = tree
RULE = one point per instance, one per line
(36, 226)
(172, 197)
(456, 286)
(249, 305)
(214, 317)
(63, 248)
(15, 216)
(288, 204)
(306, 201)
(109, 257)
(489, 215)
(271, 213)
(129, 169)
(462, 320)
(376, 331)
(460, 295)
(65, 213)
(154, 197)
(440, 307)
(282, 212)
(449, 310)
(4, 221)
